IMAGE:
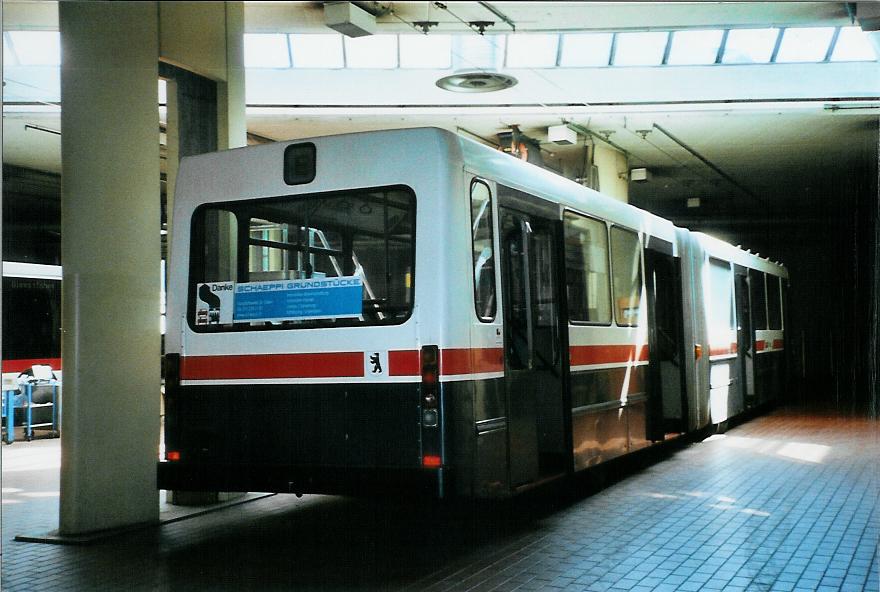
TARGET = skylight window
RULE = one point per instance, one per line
(372, 51)
(694, 47)
(853, 46)
(532, 51)
(317, 51)
(640, 49)
(582, 50)
(478, 51)
(804, 44)
(426, 51)
(37, 48)
(749, 46)
(266, 51)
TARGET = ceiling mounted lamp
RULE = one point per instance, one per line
(348, 19)
(478, 81)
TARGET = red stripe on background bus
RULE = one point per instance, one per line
(22, 365)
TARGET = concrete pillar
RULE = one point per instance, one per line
(110, 245)
(613, 172)
(231, 124)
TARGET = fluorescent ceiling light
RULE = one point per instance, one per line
(804, 44)
(640, 49)
(426, 51)
(266, 51)
(317, 51)
(691, 48)
(374, 51)
(532, 51)
(582, 50)
(36, 48)
(478, 51)
(853, 46)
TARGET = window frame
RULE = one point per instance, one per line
(641, 284)
(778, 282)
(753, 273)
(733, 319)
(608, 285)
(474, 182)
(196, 262)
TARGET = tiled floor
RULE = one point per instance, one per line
(784, 502)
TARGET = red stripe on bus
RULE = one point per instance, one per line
(585, 355)
(404, 363)
(777, 343)
(22, 365)
(760, 344)
(318, 365)
(471, 361)
(722, 350)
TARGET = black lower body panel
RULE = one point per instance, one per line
(298, 479)
(329, 438)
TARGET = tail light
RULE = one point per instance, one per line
(172, 392)
(430, 358)
(430, 403)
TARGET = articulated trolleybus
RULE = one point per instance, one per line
(410, 310)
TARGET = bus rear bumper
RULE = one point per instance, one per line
(180, 476)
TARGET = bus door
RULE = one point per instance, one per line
(533, 346)
(745, 336)
(667, 399)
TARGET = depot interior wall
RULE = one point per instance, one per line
(205, 38)
(830, 247)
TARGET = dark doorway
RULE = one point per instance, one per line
(533, 347)
(666, 380)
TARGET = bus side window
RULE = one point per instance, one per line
(758, 292)
(586, 270)
(721, 303)
(483, 251)
(626, 274)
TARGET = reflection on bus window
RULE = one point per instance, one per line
(366, 233)
(219, 250)
(483, 251)
(586, 270)
(626, 273)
